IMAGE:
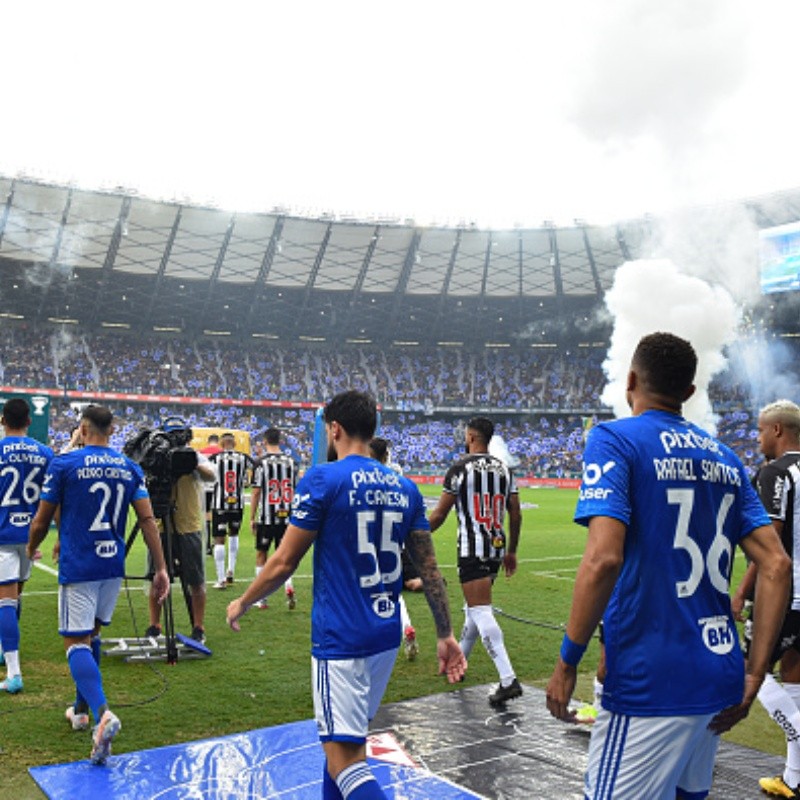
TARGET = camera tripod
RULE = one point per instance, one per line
(175, 644)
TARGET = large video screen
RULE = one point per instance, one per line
(779, 255)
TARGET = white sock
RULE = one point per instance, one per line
(233, 551)
(793, 690)
(492, 638)
(219, 562)
(598, 693)
(780, 706)
(469, 634)
(258, 570)
(405, 620)
(289, 585)
(12, 663)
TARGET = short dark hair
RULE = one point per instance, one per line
(17, 413)
(666, 363)
(213, 438)
(99, 417)
(483, 426)
(229, 435)
(272, 436)
(355, 411)
(379, 448)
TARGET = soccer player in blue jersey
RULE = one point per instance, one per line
(93, 487)
(23, 464)
(666, 504)
(358, 514)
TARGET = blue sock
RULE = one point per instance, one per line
(330, 791)
(80, 705)
(357, 782)
(88, 680)
(9, 627)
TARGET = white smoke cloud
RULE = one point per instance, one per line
(716, 243)
(654, 295)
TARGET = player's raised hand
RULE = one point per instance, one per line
(451, 660)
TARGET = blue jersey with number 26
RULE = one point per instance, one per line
(671, 645)
(362, 512)
(23, 463)
(94, 486)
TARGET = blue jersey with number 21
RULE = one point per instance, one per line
(363, 512)
(94, 486)
(671, 645)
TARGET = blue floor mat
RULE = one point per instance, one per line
(284, 762)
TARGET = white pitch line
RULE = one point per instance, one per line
(45, 568)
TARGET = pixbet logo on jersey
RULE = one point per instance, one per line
(717, 634)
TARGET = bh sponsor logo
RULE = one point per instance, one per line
(717, 634)
(105, 549)
(20, 519)
(383, 605)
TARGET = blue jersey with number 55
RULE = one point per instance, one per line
(94, 487)
(363, 512)
(671, 645)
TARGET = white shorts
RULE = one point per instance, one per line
(15, 566)
(82, 605)
(635, 757)
(347, 693)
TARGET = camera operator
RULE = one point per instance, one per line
(186, 544)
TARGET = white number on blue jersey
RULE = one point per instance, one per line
(30, 489)
(100, 523)
(721, 546)
(388, 545)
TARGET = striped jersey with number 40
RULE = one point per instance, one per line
(275, 476)
(483, 486)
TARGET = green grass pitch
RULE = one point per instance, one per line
(261, 676)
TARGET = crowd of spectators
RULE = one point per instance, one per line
(413, 379)
(544, 396)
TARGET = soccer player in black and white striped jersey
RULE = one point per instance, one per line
(482, 489)
(227, 506)
(271, 503)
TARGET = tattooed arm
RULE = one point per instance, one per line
(451, 659)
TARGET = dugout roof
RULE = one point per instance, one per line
(116, 259)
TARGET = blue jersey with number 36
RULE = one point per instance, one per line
(94, 487)
(671, 645)
(363, 512)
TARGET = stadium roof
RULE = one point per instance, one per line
(118, 260)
